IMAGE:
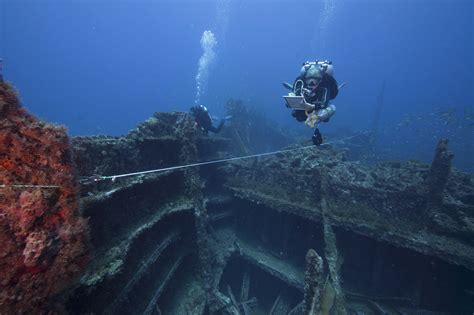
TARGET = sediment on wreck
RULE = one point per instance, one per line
(333, 259)
(438, 176)
(233, 238)
(439, 172)
(314, 283)
(189, 154)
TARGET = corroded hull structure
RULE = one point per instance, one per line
(302, 232)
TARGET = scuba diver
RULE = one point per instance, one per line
(204, 121)
(311, 93)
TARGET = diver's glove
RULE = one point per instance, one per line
(312, 119)
(317, 137)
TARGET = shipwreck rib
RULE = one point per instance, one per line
(133, 183)
(173, 237)
(152, 304)
(244, 292)
(298, 309)
(332, 258)
(275, 304)
(224, 304)
(117, 254)
(392, 299)
(272, 265)
(313, 282)
(246, 309)
(221, 215)
(233, 299)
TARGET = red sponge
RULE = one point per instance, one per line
(43, 238)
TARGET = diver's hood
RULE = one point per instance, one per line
(314, 72)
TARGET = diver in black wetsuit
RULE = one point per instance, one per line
(318, 86)
(203, 119)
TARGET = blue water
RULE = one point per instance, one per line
(102, 66)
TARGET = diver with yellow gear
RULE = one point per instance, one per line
(311, 92)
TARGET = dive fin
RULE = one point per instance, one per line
(288, 86)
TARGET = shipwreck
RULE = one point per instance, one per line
(303, 231)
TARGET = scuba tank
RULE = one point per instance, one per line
(325, 66)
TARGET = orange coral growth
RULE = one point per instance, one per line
(43, 238)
